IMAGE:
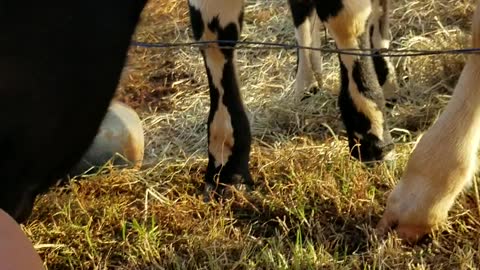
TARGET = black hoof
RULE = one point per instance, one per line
(229, 192)
(208, 193)
(390, 103)
(311, 92)
(237, 184)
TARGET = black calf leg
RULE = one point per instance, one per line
(361, 98)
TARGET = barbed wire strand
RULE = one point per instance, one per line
(239, 45)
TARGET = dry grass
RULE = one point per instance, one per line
(312, 207)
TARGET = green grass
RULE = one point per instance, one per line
(313, 207)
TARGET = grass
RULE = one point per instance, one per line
(312, 208)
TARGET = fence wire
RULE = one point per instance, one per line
(255, 45)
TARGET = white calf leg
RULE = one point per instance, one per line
(316, 56)
(380, 39)
(307, 33)
(309, 61)
(304, 77)
(443, 161)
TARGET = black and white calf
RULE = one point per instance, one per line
(434, 175)
(354, 24)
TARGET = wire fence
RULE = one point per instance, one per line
(255, 45)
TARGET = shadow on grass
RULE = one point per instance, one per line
(322, 224)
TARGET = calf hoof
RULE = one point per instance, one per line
(119, 139)
(237, 190)
(390, 88)
(237, 185)
(389, 160)
(415, 206)
(370, 150)
(410, 233)
(208, 192)
(310, 93)
(390, 103)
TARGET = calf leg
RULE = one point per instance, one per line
(444, 160)
(307, 33)
(228, 127)
(361, 99)
(379, 39)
